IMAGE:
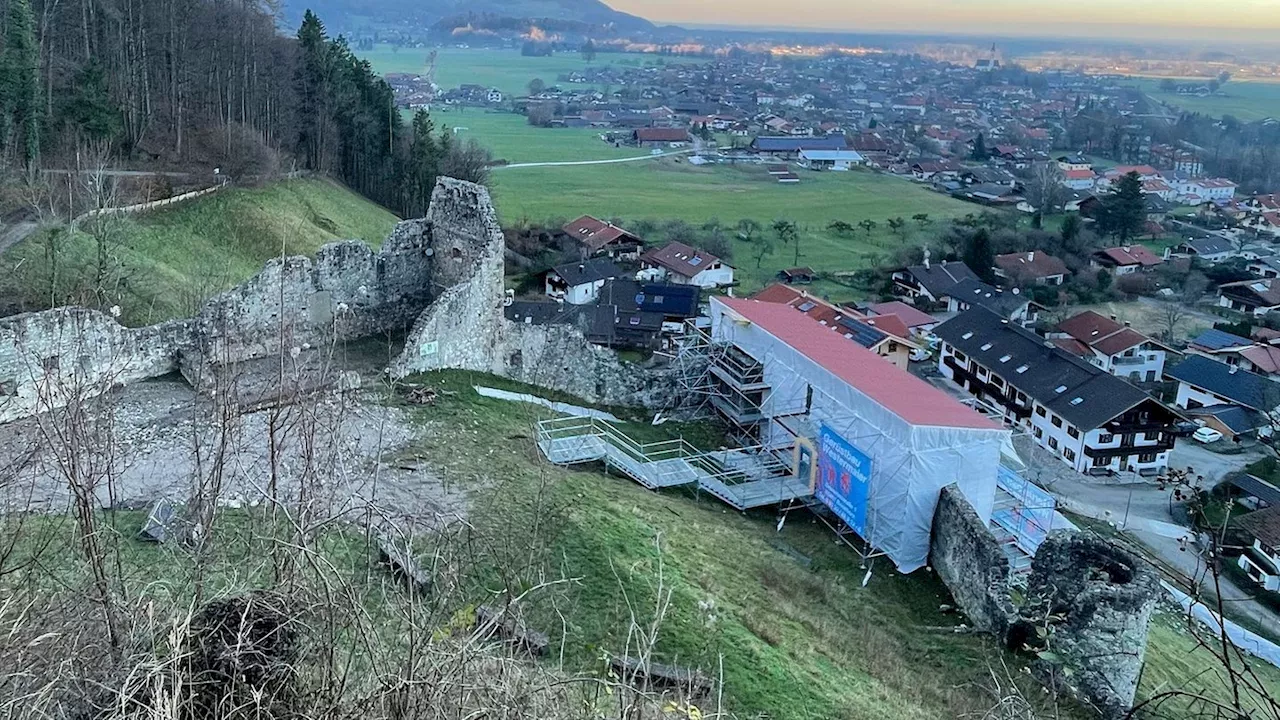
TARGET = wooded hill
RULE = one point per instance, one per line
(194, 85)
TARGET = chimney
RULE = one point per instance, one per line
(1031, 256)
(926, 257)
(1128, 324)
(1234, 369)
(1113, 317)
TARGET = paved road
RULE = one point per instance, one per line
(1143, 511)
(615, 161)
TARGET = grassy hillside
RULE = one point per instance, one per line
(163, 264)
(783, 612)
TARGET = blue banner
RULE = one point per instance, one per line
(844, 477)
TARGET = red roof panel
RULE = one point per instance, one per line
(907, 396)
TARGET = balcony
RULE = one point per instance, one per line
(1114, 452)
(1123, 361)
(985, 390)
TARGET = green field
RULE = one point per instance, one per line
(660, 190)
(165, 263)
(1243, 99)
(510, 137)
(506, 70)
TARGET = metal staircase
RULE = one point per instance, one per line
(742, 478)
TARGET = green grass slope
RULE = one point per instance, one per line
(163, 264)
(782, 613)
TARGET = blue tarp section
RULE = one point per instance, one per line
(844, 479)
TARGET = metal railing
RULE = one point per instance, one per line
(656, 464)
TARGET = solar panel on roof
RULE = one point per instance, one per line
(806, 307)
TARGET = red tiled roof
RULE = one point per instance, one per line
(1106, 335)
(596, 234)
(680, 259)
(1034, 264)
(1132, 255)
(907, 396)
(1265, 358)
(1263, 525)
(1079, 175)
(828, 314)
(910, 316)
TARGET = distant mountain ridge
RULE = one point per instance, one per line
(342, 15)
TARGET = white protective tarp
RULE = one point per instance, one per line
(910, 464)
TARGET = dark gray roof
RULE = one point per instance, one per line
(1237, 419)
(979, 294)
(938, 278)
(1213, 339)
(1212, 245)
(587, 271)
(1257, 487)
(667, 299)
(1082, 394)
(1239, 386)
(860, 332)
(541, 312)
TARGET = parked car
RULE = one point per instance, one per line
(921, 354)
(1207, 435)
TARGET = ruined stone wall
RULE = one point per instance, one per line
(442, 276)
(1085, 610)
(968, 559)
(47, 358)
(347, 292)
(1104, 596)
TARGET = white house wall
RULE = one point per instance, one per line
(910, 464)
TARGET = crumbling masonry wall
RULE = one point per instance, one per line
(1087, 602)
(968, 559)
(1100, 598)
(441, 275)
(48, 358)
(349, 291)
(465, 327)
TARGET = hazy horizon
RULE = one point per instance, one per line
(1254, 20)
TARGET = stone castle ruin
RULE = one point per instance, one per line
(440, 277)
(1087, 603)
(440, 280)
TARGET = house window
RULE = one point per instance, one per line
(1069, 454)
(1053, 443)
(1040, 411)
(1074, 433)
(1101, 462)
(1057, 421)
(1105, 438)
(1039, 434)
(1151, 435)
(1147, 458)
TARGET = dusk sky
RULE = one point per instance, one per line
(1038, 17)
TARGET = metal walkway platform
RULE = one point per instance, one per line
(743, 478)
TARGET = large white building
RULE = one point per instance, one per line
(1088, 418)
(883, 443)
